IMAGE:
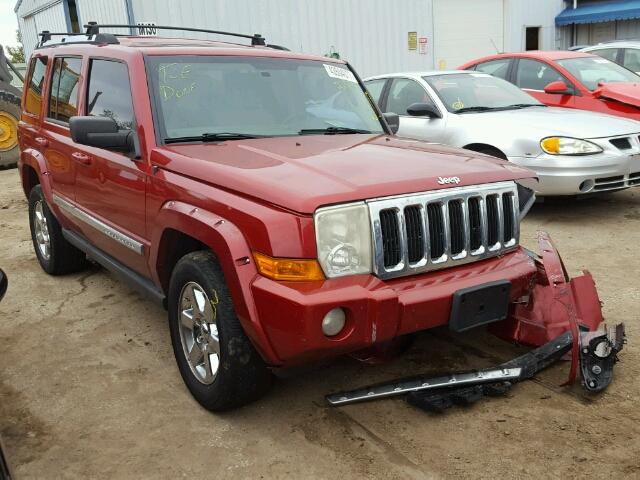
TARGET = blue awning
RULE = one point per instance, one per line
(600, 12)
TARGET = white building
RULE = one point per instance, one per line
(376, 36)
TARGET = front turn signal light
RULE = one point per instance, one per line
(288, 269)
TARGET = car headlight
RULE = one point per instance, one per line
(343, 238)
(568, 146)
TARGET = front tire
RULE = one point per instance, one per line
(218, 363)
(55, 254)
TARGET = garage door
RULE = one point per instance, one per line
(466, 29)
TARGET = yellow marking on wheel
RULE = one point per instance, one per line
(8, 131)
(214, 301)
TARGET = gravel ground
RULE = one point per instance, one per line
(89, 386)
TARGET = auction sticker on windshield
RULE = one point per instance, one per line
(340, 73)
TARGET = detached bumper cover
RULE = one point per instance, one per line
(598, 355)
(557, 314)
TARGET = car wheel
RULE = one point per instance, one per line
(217, 361)
(55, 254)
(9, 115)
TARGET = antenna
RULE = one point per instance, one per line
(494, 45)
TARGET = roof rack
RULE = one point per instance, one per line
(93, 28)
(67, 38)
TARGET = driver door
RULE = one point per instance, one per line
(399, 96)
(533, 76)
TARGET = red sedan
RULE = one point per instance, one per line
(568, 79)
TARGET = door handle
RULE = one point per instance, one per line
(81, 158)
(43, 142)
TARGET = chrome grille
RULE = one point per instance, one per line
(454, 226)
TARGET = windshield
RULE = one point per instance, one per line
(592, 70)
(251, 96)
(469, 92)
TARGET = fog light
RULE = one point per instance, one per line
(333, 322)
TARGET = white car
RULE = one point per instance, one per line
(623, 52)
(572, 151)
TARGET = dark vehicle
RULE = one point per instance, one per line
(9, 113)
(5, 474)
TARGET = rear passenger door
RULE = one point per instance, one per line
(110, 185)
(533, 76)
(62, 104)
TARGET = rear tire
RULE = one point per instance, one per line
(9, 116)
(216, 359)
(55, 254)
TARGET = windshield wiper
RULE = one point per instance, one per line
(524, 105)
(213, 137)
(331, 131)
(474, 109)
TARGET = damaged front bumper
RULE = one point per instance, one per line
(598, 355)
(559, 315)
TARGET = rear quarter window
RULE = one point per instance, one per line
(33, 101)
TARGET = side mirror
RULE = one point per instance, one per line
(423, 110)
(102, 132)
(4, 283)
(393, 120)
(558, 87)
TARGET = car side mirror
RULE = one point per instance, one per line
(393, 120)
(423, 110)
(558, 87)
(103, 132)
(4, 283)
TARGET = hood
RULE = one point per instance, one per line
(624, 92)
(304, 173)
(542, 122)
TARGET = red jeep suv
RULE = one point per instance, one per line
(263, 199)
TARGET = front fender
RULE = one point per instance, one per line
(233, 252)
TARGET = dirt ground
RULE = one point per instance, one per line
(89, 387)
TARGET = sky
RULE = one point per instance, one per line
(8, 23)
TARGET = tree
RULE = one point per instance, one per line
(17, 53)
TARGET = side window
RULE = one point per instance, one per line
(109, 92)
(632, 59)
(375, 88)
(33, 103)
(536, 75)
(63, 101)
(608, 53)
(403, 93)
(497, 68)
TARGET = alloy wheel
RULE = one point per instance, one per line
(199, 331)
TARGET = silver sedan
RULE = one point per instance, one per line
(572, 151)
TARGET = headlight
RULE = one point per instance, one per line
(568, 146)
(343, 238)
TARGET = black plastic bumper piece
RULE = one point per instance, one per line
(598, 355)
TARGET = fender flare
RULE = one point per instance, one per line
(34, 159)
(228, 243)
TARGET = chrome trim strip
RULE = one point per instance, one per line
(442, 198)
(102, 227)
(457, 380)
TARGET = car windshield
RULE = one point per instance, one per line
(593, 70)
(228, 98)
(478, 92)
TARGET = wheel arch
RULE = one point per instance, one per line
(184, 228)
(481, 147)
(33, 171)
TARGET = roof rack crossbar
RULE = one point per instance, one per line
(46, 37)
(256, 39)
